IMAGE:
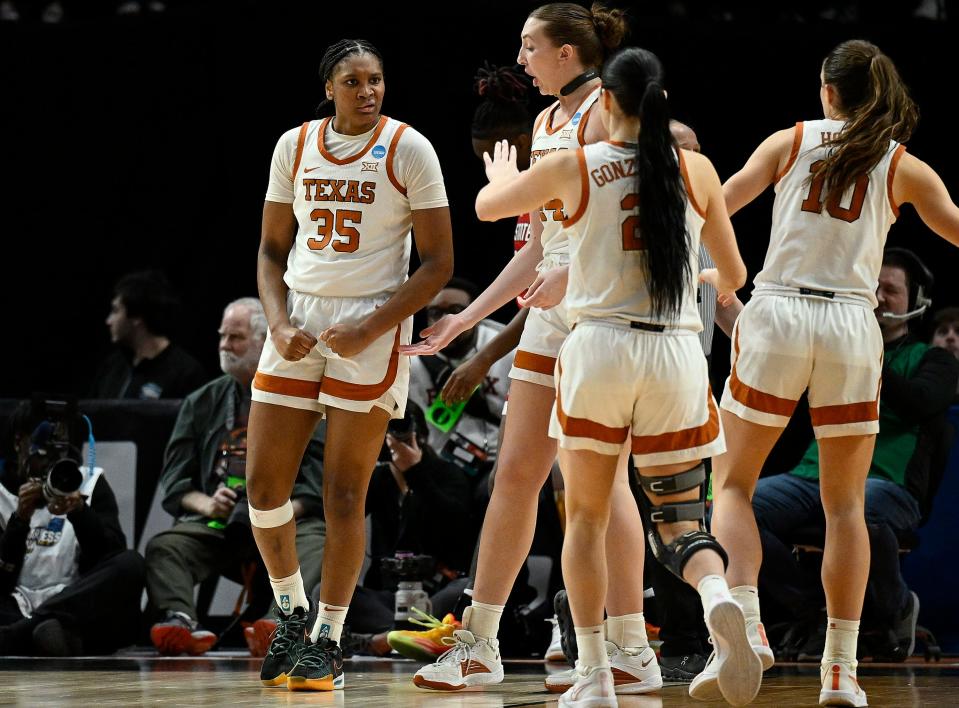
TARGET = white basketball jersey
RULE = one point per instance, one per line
(353, 216)
(547, 138)
(607, 253)
(833, 247)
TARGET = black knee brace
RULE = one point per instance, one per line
(676, 554)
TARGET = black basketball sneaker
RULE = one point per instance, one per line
(318, 667)
(284, 648)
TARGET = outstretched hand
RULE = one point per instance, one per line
(725, 295)
(502, 166)
(547, 290)
(436, 336)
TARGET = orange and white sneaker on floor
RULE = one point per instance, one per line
(734, 670)
(840, 686)
(592, 688)
(705, 686)
(469, 661)
(634, 671)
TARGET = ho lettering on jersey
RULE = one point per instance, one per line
(540, 154)
(339, 190)
(611, 171)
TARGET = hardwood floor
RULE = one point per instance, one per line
(230, 679)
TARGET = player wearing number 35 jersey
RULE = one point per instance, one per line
(347, 197)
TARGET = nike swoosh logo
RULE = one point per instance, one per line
(647, 663)
(472, 667)
(307, 170)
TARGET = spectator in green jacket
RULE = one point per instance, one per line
(203, 487)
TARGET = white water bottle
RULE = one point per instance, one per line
(410, 593)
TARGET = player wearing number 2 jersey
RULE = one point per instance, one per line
(809, 326)
(344, 194)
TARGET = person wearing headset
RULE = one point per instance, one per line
(918, 382)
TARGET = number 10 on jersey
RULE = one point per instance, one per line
(342, 223)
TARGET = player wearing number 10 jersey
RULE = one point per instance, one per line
(810, 326)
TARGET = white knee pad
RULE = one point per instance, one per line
(271, 518)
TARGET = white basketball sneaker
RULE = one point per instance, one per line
(734, 668)
(593, 688)
(705, 686)
(555, 650)
(469, 661)
(634, 671)
(839, 685)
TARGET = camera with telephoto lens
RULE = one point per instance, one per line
(53, 460)
(407, 566)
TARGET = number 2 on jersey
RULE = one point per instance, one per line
(336, 222)
(632, 241)
(813, 201)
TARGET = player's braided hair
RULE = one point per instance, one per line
(336, 53)
(503, 112)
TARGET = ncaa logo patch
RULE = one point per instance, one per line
(576, 119)
(379, 151)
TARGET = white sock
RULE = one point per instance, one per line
(841, 639)
(748, 598)
(592, 646)
(627, 630)
(711, 586)
(289, 593)
(482, 619)
(329, 622)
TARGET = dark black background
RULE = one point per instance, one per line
(135, 142)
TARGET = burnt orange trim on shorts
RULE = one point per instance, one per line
(300, 142)
(583, 189)
(285, 386)
(364, 392)
(893, 164)
(689, 185)
(321, 144)
(680, 439)
(389, 159)
(844, 413)
(793, 154)
(754, 398)
(583, 428)
(539, 363)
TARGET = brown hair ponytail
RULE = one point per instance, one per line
(877, 108)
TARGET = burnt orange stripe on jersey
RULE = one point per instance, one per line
(583, 428)
(321, 143)
(581, 132)
(539, 119)
(300, 142)
(364, 392)
(583, 189)
(754, 398)
(893, 164)
(696, 436)
(689, 186)
(389, 159)
(534, 362)
(793, 153)
(286, 386)
(844, 413)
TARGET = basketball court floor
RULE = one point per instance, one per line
(230, 679)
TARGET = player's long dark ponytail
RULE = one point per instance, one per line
(634, 76)
(336, 53)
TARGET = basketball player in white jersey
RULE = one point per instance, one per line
(563, 46)
(632, 368)
(839, 184)
(343, 196)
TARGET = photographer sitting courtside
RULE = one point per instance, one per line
(68, 584)
(203, 485)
